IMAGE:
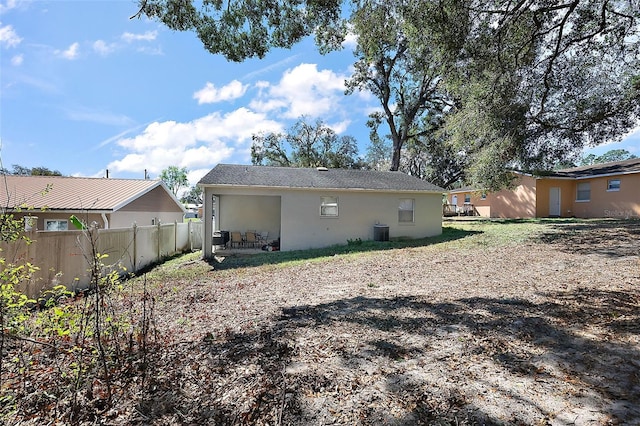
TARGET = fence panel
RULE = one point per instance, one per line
(146, 246)
(119, 244)
(182, 237)
(62, 256)
(195, 235)
(167, 240)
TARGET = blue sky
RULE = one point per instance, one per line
(83, 89)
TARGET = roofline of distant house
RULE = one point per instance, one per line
(592, 176)
(310, 188)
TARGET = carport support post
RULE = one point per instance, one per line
(207, 229)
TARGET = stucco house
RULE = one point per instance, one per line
(110, 203)
(309, 208)
(595, 191)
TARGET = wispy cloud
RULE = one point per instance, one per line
(147, 36)
(277, 65)
(10, 4)
(210, 94)
(119, 136)
(100, 117)
(71, 53)
(17, 60)
(8, 36)
(103, 48)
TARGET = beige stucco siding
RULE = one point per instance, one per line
(156, 200)
(358, 212)
(125, 219)
(294, 214)
(249, 212)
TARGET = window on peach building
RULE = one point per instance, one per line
(584, 191)
(613, 185)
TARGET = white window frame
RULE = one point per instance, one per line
(583, 192)
(327, 204)
(403, 209)
(613, 188)
(59, 221)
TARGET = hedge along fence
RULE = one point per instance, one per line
(62, 255)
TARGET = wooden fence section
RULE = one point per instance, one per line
(63, 256)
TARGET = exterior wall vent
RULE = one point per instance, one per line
(322, 169)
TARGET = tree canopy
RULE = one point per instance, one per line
(175, 178)
(529, 83)
(19, 170)
(306, 145)
(611, 155)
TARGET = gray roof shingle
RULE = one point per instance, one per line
(288, 177)
(616, 167)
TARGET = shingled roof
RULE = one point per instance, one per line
(73, 193)
(289, 177)
(603, 169)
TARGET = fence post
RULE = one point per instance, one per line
(159, 243)
(175, 236)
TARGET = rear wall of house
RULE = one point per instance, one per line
(567, 197)
(294, 215)
(358, 212)
(624, 203)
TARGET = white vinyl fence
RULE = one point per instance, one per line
(61, 256)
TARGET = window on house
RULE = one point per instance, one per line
(329, 206)
(467, 198)
(56, 225)
(483, 196)
(613, 185)
(584, 191)
(405, 210)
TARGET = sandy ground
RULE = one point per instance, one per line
(539, 331)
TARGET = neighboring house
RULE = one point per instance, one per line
(309, 208)
(595, 191)
(110, 203)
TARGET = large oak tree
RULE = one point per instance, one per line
(532, 81)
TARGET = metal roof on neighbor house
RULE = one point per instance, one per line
(73, 193)
(613, 168)
(300, 178)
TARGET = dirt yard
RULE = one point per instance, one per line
(505, 324)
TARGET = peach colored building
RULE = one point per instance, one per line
(595, 191)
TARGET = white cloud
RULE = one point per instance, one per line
(103, 48)
(71, 53)
(196, 144)
(8, 36)
(147, 36)
(350, 41)
(17, 60)
(303, 90)
(8, 5)
(209, 94)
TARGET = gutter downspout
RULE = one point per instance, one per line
(105, 220)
